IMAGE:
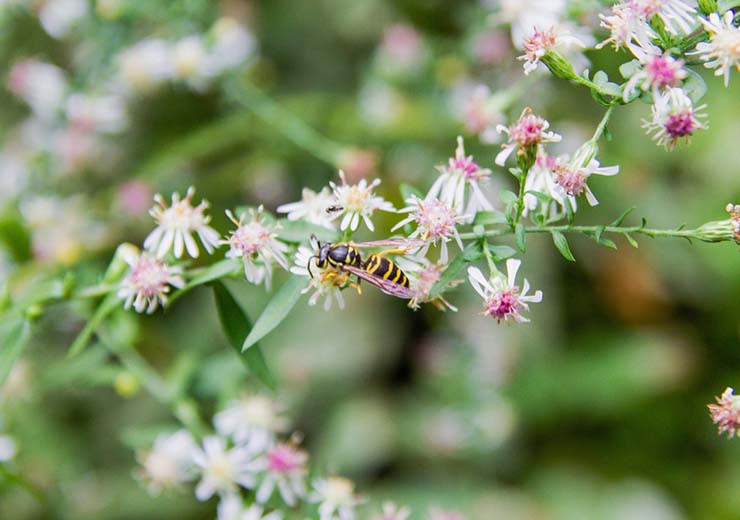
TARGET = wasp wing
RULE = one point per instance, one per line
(388, 287)
(401, 243)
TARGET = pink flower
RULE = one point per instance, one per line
(529, 131)
(674, 118)
(503, 300)
(726, 413)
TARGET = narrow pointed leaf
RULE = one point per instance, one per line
(276, 311)
(222, 269)
(13, 345)
(106, 307)
(618, 221)
(502, 252)
(520, 235)
(236, 325)
(470, 254)
(632, 241)
(562, 244)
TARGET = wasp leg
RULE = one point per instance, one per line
(356, 285)
(399, 251)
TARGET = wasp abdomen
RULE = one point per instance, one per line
(384, 268)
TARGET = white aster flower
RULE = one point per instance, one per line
(679, 16)
(460, 173)
(176, 225)
(223, 470)
(189, 59)
(529, 131)
(42, 85)
(540, 179)
(358, 201)
(525, 15)
(572, 177)
(502, 298)
(252, 421)
(58, 16)
(436, 222)
(327, 282)
(392, 512)
(256, 244)
(146, 65)
(169, 462)
(627, 29)
(284, 466)
(674, 118)
(232, 45)
(336, 498)
(231, 507)
(722, 51)
(148, 282)
(312, 207)
(96, 113)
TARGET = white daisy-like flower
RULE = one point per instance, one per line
(233, 44)
(57, 17)
(722, 51)
(674, 118)
(146, 65)
(176, 225)
(392, 512)
(358, 201)
(502, 298)
(627, 29)
(252, 420)
(679, 16)
(525, 15)
(327, 282)
(42, 85)
(189, 57)
(231, 507)
(336, 498)
(542, 41)
(255, 243)
(460, 173)
(572, 177)
(529, 130)
(223, 470)
(97, 113)
(540, 179)
(8, 448)
(423, 275)
(659, 71)
(436, 222)
(312, 207)
(169, 463)
(284, 467)
(148, 281)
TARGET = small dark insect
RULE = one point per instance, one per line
(376, 269)
(336, 208)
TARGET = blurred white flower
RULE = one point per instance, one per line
(176, 225)
(527, 15)
(358, 201)
(42, 85)
(627, 29)
(8, 448)
(232, 45)
(255, 243)
(190, 56)
(148, 282)
(223, 470)
(169, 462)
(436, 222)
(312, 207)
(380, 104)
(478, 109)
(96, 113)
(251, 420)
(284, 466)
(679, 16)
(327, 282)
(722, 51)
(13, 174)
(502, 298)
(540, 179)
(460, 173)
(401, 51)
(423, 275)
(146, 65)
(392, 512)
(674, 118)
(231, 507)
(58, 16)
(439, 514)
(336, 498)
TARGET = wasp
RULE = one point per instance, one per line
(376, 269)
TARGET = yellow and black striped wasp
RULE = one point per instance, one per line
(376, 269)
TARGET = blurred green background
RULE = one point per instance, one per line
(595, 410)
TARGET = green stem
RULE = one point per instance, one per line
(33, 489)
(602, 125)
(590, 230)
(284, 121)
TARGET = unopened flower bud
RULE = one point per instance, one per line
(118, 265)
(558, 65)
(126, 384)
(718, 231)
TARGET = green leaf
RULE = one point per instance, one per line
(508, 197)
(487, 218)
(236, 325)
(569, 213)
(628, 69)
(562, 244)
(407, 191)
(542, 197)
(694, 85)
(276, 310)
(501, 252)
(15, 237)
(222, 269)
(520, 235)
(618, 221)
(632, 241)
(12, 348)
(298, 231)
(106, 307)
(600, 78)
(470, 254)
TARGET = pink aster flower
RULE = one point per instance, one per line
(571, 178)
(726, 413)
(435, 221)
(674, 118)
(529, 131)
(502, 298)
(541, 42)
(284, 466)
(148, 282)
(658, 71)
